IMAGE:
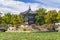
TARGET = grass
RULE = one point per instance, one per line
(30, 36)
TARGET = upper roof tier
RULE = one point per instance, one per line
(29, 11)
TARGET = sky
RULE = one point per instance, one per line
(18, 6)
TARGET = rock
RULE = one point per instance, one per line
(58, 29)
(2, 30)
(22, 26)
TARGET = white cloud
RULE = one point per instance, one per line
(16, 6)
(50, 3)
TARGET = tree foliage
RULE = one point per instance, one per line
(40, 17)
(51, 16)
(13, 19)
(47, 17)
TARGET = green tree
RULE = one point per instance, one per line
(58, 16)
(0, 18)
(40, 19)
(20, 19)
(16, 19)
(7, 18)
(51, 17)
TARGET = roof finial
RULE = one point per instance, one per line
(29, 7)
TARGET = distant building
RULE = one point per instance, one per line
(29, 16)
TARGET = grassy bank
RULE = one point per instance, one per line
(30, 36)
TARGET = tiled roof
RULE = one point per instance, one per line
(29, 11)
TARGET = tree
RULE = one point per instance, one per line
(7, 18)
(16, 19)
(40, 19)
(51, 17)
(20, 19)
(0, 18)
(58, 16)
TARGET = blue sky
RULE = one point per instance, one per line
(17, 6)
(48, 3)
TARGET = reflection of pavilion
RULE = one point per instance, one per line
(29, 16)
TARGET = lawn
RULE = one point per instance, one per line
(30, 36)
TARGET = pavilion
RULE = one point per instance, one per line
(29, 16)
